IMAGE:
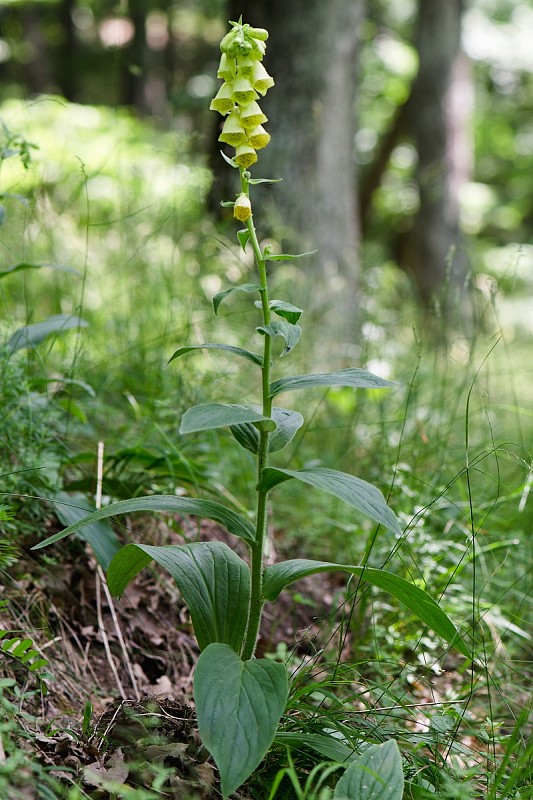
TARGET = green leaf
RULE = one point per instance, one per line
(21, 647)
(229, 161)
(244, 287)
(257, 181)
(278, 576)
(237, 351)
(290, 333)
(352, 377)
(169, 504)
(247, 435)
(31, 335)
(219, 415)
(286, 256)
(357, 493)
(239, 705)
(327, 746)
(24, 266)
(104, 542)
(286, 310)
(374, 775)
(288, 423)
(244, 237)
(214, 582)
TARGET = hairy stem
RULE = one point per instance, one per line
(256, 595)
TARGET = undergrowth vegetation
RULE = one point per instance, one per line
(450, 447)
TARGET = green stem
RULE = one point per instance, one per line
(256, 593)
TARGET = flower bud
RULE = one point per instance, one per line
(228, 40)
(245, 156)
(258, 137)
(242, 210)
(243, 91)
(223, 101)
(251, 115)
(232, 131)
(257, 33)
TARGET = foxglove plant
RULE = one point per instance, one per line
(239, 698)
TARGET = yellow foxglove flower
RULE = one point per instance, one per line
(260, 79)
(242, 210)
(251, 115)
(232, 131)
(246, 66)
(223, 101)
(258, 137)
(226, 68)
(243, 91)
(245, 156)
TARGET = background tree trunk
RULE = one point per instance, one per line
(312, 55)
(437, 117)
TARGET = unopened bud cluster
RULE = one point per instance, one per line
(245, 78)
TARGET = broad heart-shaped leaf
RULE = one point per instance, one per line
(24, 266)
(357, 493)
(214, 582)
(353, 377)
(207, 509)
(238, 705)
(278, 576)
(100, 536)
(31, 335)
(374, 775)
(219, 415)
(244, 287)
(237, 351)
(290, 333)
(288, 423)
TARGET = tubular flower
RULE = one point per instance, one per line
(245, 78)
(242, 210)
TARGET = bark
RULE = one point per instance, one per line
(438, 114)
(312, 55)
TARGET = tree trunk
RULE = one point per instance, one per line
(438, 118)
(312, 55)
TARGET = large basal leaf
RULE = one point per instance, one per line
(219, 415)
(354, 377)
(31, 335)
(236, 351)
(244, 287)
(238, 705)
(278, 576)
(374, 775)
(214, 582)
(288, 332)
(169, 504)
(104, 542)
(355, 492)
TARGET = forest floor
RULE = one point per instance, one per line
(118, 709)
